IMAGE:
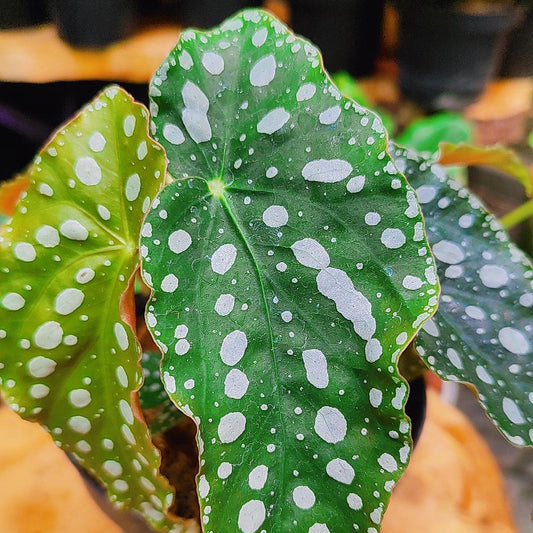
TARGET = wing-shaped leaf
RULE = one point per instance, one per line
(483, 330)
(289, 269)
(160, 413)
(67, 358)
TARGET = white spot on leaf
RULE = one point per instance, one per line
(179, 241)
(341, 471)
(233, 347)
(273, 121)
(330, 424)
(263, 71)
(231, 427)
(316, 368)
(327, 170)
(311, 253)
(223, 258)
(68, 301)
(251, 516)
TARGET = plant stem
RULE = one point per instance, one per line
(518, 215)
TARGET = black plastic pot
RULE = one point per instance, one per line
(93, 23)
(348, 32)
(416, 407)
(446, 57)
(208, 13)
(21, 13)
(518, 58)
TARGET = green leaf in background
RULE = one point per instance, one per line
(483, 331)
(425, 134)
(290, 269)
(160, 413)
(3, 219)
(68, 360)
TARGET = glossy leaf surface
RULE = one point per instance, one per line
(289, 269)
(483, 331)
(68, 360)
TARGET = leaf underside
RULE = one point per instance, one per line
(483, 331)
(68, 360)
(289, 270)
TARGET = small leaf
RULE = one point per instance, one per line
(160, 413)
(289, 269)
(69, 361)
(497, 157)
(483, 331)
(425, 134)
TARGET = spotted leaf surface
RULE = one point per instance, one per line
(159, 411)
(289, 269)
(483, 331)
(68, 360)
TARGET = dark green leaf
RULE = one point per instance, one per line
(290, 269)
(483, 331)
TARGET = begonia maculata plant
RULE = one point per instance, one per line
(282, 236)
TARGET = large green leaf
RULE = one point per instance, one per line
(290, 269)
(483, 331)
(68, 360)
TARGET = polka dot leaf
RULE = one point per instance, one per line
(289, 269)
(483, 331)
(68, 360)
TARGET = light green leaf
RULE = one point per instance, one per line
(68, 360)
(483, 331)
(159, 411)
(289, 269)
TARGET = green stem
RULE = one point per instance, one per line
(518, 215)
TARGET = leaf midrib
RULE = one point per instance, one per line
(226, 206)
